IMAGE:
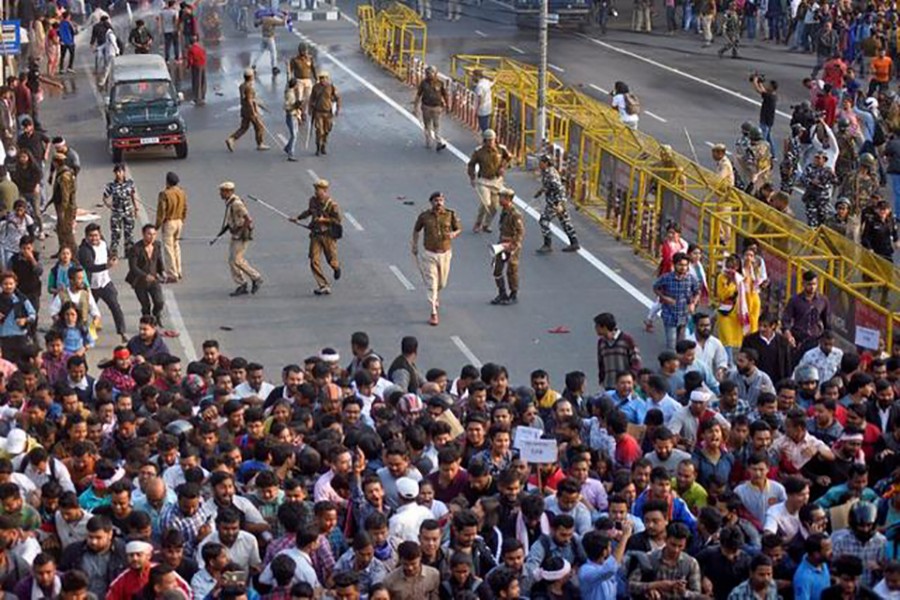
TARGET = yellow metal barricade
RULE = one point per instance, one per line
(395, 37)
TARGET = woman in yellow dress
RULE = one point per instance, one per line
(753, 282)
(731, 294)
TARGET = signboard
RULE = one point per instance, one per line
(553, 19)
(539, 451)
(10, 37)
(867, 338)
(524, 434)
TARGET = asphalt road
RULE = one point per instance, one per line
(377, 165)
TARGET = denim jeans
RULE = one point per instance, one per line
(688, 22)
(895, 188)
(750, 26)
(775, 27)
(767, 135)
(291, 121)
(800, 37)
(484, 122)
(673, 335)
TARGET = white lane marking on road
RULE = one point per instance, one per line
(598, 264)
(517, 49)
(350, 19)
(233, 108)
(175, 317)
(559, 69)
(457, 341)
(312, 174)
(353, 221)
(505, 5)
(655, 116)
(480, 33)
(281, 137)
(598, 88)
(399, 275)
(684, 74)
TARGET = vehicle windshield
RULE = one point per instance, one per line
(141, 92)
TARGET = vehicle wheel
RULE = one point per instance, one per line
(181, 150)
(117, 155)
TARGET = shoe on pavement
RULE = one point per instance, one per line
(545, 249)
(229, 143)
(240, 291)
(441, 146)
(500, 299)
(512, 298)
(257, 283)
(433, 320)
(487, 229)
(572, 248)
(262, 147)
(337, 273)
(292, 159)
(322, 291)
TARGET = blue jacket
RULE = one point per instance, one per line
(66, 33)
(678, 511)
(21, 307)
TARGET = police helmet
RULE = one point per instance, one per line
(746, 126)
(807, 373)
(868, 160)
(863, 513)
(755, 134)
(843, 123)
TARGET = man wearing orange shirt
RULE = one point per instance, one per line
(882, 66)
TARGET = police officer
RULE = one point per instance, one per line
(120, 197)
(793, 149)
(840, 220)
(63, 198)
(848, 153)
(554, 207)
(486, 168)
(325, 105)
(440, 226)
(759, 161)
(238, 223)
(250, 114)
(818, 178)
(303, 69)
(860, 187)
(512, 232)
(741, 148)
(433, 97)
(324, 231)
(731, 27)
(724, 168)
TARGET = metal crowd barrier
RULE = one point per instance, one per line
(394, 37)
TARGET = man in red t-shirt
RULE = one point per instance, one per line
(196, 60)
(833, 71)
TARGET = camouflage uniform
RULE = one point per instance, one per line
(121, 220)
(859, 187)
(848, 156)
(759, 165)
(555, 206)
(732, 30)
(789, 162)
(741, 149)
(818, 182)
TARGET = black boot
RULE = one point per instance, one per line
(318, 148)
(512, 298)
(324, 152)
(501, 298)
(240, 291)
(547, 248)
(256, 285)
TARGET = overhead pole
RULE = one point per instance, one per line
(542, 76)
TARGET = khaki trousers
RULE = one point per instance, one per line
(487, 191)
(241, 270)
(171, 233)
(436, 272)
(318, 245)
(306, 86)
(431, 121)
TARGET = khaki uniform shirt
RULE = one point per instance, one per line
(323, 98)
(491, 161)
(64, 190)
(725, 171)
(858, 187)
(268, 25)
(327, 209)
(303, 67)
(512, 228)
(432, 92)
(249, 107)
(424, 587)
(237, 219)
(171, 205)
(438, 226)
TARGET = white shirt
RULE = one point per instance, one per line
(245, 505)
(712, 354)
(778, 519)
(39, 478)
(93, 309)
(303, 572)
(796, 452)
(245, 390)
(101, 256)
(485, 97)
(685, 424)
(174, 476)
(618, 102)
(404, 525)
(883, 592)
(827, 366)
(70, 533)
(244, 551)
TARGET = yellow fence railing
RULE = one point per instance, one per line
(627, 183)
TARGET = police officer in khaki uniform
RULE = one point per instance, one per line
(238, 223)
(303, 69)
(440, 226)
(512, 232)
(324, 231)
(860, 186)
(433, 97)
(491, 160)
(325, 105)
(63, 198)
(250, 108)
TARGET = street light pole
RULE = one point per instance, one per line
(542, 77)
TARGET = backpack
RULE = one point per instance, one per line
(27, 461)
(878, 136)
(632, 104)
(580, 556)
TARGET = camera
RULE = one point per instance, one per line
(756, 75)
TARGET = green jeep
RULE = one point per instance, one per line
(143, 107)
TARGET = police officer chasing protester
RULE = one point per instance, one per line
(250, 108)
(440, 226)
(238, 223)
(325, 230)
(512, 232)
(485, 169)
